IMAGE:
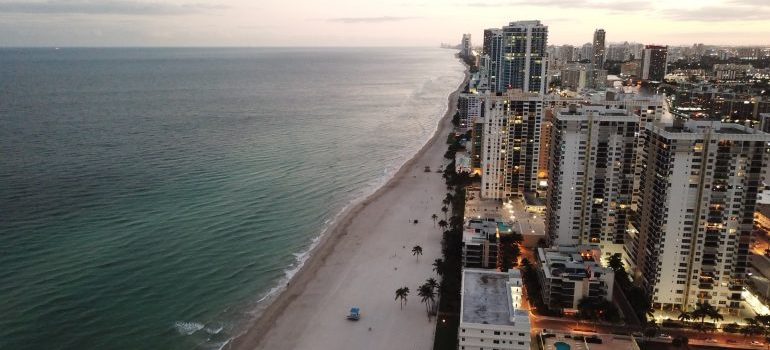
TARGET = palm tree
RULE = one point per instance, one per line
(402, 293)
(685, 317)
(438, 266)
(417, 251)
(434, 217)
(432, 283)
(588, 310)
(443, 224)
(449, 197)
(428, 295)
(616, 262)
(715, 316)
(752, 328)
(702, 310)
(445, 210)
(446, 201)
(763, 320)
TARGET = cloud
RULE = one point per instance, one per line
(103, 7)
(719, 14)
(761, 3)
(369, 19)
(626, 6)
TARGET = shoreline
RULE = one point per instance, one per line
(253, 336)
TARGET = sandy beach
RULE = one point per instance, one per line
(360, 262)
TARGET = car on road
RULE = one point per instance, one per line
(712, 340)
(664, 336)
(757, 343)
(732, 341)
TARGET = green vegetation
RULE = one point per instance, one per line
(535, 290)
(402, 293)
(449, 268)
(471, 62)
(456, 119)
(427, 292)
(417, 251)
(596, 309)
(637, 296)
(509, 251)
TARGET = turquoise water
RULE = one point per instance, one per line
(561, 346)
(150, 198)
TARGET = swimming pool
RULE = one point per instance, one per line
(561, 346)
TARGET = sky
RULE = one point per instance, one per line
(373, 22)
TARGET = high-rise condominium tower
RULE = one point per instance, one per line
(691, 235)
(518, 56)
(591, 176)
(599, 47)
(654, 62)
(510, 143)
(467, 49)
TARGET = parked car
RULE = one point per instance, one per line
(594, 340)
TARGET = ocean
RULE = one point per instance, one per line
(154, 198)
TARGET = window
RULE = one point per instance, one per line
(497, 332)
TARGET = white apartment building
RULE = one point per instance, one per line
(469, 107)
(510, 143)
(480, 243)
(697, 197)
(591, 177)
(571, 273)
(647, 108)
(490, 314)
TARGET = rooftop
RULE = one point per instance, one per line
(577, 342)
(573, 262)
(696, 129)
(486, 299)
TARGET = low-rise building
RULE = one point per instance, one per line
(571, 273)
(490, 311)
(480, 243)
(463, 162)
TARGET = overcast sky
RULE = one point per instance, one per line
(372, 22)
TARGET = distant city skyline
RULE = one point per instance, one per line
(382, 23)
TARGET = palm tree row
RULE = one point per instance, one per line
(758, 325)
(427, 291)
(402, 293)
(701, 312)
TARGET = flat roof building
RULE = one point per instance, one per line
(490, 311)
(591, 177)
(693, 227)
(571, 273)
(480, 243)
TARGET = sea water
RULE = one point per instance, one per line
(151, 198)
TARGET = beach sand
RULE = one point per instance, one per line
(361, 261)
